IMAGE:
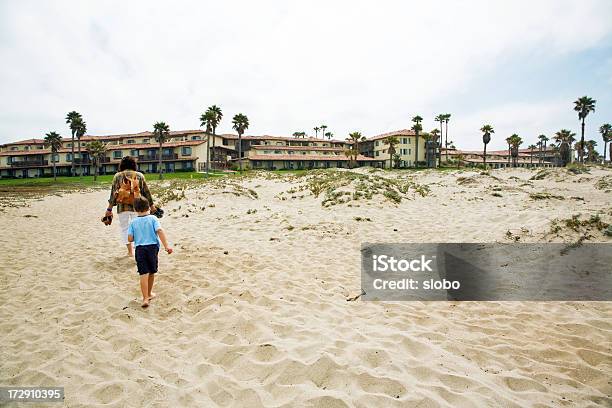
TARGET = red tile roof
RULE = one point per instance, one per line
(108, 148)
(402, 132)
(268, 137)
(155, 145)
(522, 152)
(318, 148)
(339, 157)
(27, 141)
(146, 133)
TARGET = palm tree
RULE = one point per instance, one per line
(417, 128)
(353, 140)
(296, 134)
(96, 151)
(579, 147)
(543, 140)
(323, 127)
(329, 135)
(487, 131)
(583, 106)
(70, 117)
(211, 119)
(81, 128)
(591, 152)
(53, 141)
(240, 124)
(161, 131)
(316, 129)
(435, 137)
(515, 143)
(564, 139)
(440, 118)
(205, 119)
(215, 119)
(605, 130)
(392, 141)
(509, 140)
(447, 117)
(532, 148)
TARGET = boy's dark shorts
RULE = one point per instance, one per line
(146, 258)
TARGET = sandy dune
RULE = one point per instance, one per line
(252, 307)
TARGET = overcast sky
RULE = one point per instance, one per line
(289, 65)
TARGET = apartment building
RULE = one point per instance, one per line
(496, 159)
(285, 153)
(184, 151)
(377, 148)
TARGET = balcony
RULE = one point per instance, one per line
(85, 160)
(151, 157)
(30, 163)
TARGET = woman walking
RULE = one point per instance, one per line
(128, 184)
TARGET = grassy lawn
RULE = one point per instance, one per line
(88, 181)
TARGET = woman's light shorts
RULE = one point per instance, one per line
(125, 218)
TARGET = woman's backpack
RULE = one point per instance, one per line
(129, 189)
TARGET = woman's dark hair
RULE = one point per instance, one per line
(128, 163)
(141, 204)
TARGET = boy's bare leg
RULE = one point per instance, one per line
(130, 251)
(144, 288)
(151, 281)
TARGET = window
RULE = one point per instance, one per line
(26, 148)
(404, 140)
(377, 143)
(409, 141)
(196, 138)
(131, 141)
(55, 158)
(188, 165)
(117, 154)
(409, 151)
(68, 144)
(68, 157)
(186, 151)
(14, 148)
(145, 140)
(134, 152)
(377, 153)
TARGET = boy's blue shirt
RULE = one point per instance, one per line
(144, 230)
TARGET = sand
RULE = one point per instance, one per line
(253, 307)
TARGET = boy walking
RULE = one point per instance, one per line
(146, 233)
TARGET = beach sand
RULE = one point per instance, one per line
(253, 307)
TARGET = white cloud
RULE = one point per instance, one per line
(289, 66)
